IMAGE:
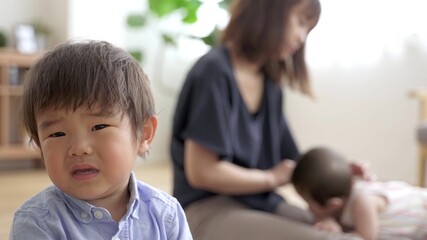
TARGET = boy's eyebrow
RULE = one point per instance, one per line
(48, 123)
(100, 114)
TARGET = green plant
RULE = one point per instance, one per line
(163, 8)
(159, 10)
(40, 28)
(3, 40)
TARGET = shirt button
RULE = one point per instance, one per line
(84, 215)
(98, 214)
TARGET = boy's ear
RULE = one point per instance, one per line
(335, 203)
(148, 133)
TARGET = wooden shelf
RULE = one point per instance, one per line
(11, 90)
(17, 152)
(12, 57)
(13, 67)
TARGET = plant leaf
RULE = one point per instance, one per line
(136, 20)
(225, 4)
(212, 38)
(191, 8)
(168, 39)
(163, 7)
(137, 54)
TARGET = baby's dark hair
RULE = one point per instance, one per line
(322, 174)
(86, 74)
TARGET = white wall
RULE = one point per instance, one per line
(365, 112)
(362, 108)
(364, 60)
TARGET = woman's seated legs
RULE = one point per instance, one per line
(226, 219)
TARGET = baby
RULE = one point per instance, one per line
(375, 210)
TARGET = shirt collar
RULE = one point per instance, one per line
(82, 210)
(133, 205)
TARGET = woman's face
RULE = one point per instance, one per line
(300, 22)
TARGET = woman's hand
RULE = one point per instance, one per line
(362, 170)
(281, 173)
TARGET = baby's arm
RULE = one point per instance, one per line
(365, 216)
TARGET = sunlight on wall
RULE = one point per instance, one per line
(359, 32)
(209, 15)
(101, 19)
(350, 32)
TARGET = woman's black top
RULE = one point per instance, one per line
(211, 112)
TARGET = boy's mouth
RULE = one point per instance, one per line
(84, 172)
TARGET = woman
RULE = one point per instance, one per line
(231, 145)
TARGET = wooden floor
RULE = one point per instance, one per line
(16, 186)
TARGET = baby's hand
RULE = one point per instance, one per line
(362, 170)
(328, 225)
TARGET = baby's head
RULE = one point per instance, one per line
(88, 75)
(324, 179)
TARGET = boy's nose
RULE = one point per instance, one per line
(80, 147)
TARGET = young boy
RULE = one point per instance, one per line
(89, 108)
(375, 210)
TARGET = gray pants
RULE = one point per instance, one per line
(222, 218)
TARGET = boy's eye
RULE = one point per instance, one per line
(99, 127)
(57, 134)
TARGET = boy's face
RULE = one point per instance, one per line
(88, 155)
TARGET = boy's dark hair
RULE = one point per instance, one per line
(257, 30)
(322, 174)
(86, 74)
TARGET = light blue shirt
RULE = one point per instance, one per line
(52, 214)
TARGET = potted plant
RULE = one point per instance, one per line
(3, 40)
(42, 33)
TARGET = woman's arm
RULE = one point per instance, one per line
(204, 170)
(365, 216)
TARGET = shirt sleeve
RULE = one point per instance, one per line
(28, 226)
(178, 226)
(207, 109)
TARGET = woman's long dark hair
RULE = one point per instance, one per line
(257, 29)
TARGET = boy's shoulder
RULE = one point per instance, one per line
(156, 204)
(41, 202)
(148, 193)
